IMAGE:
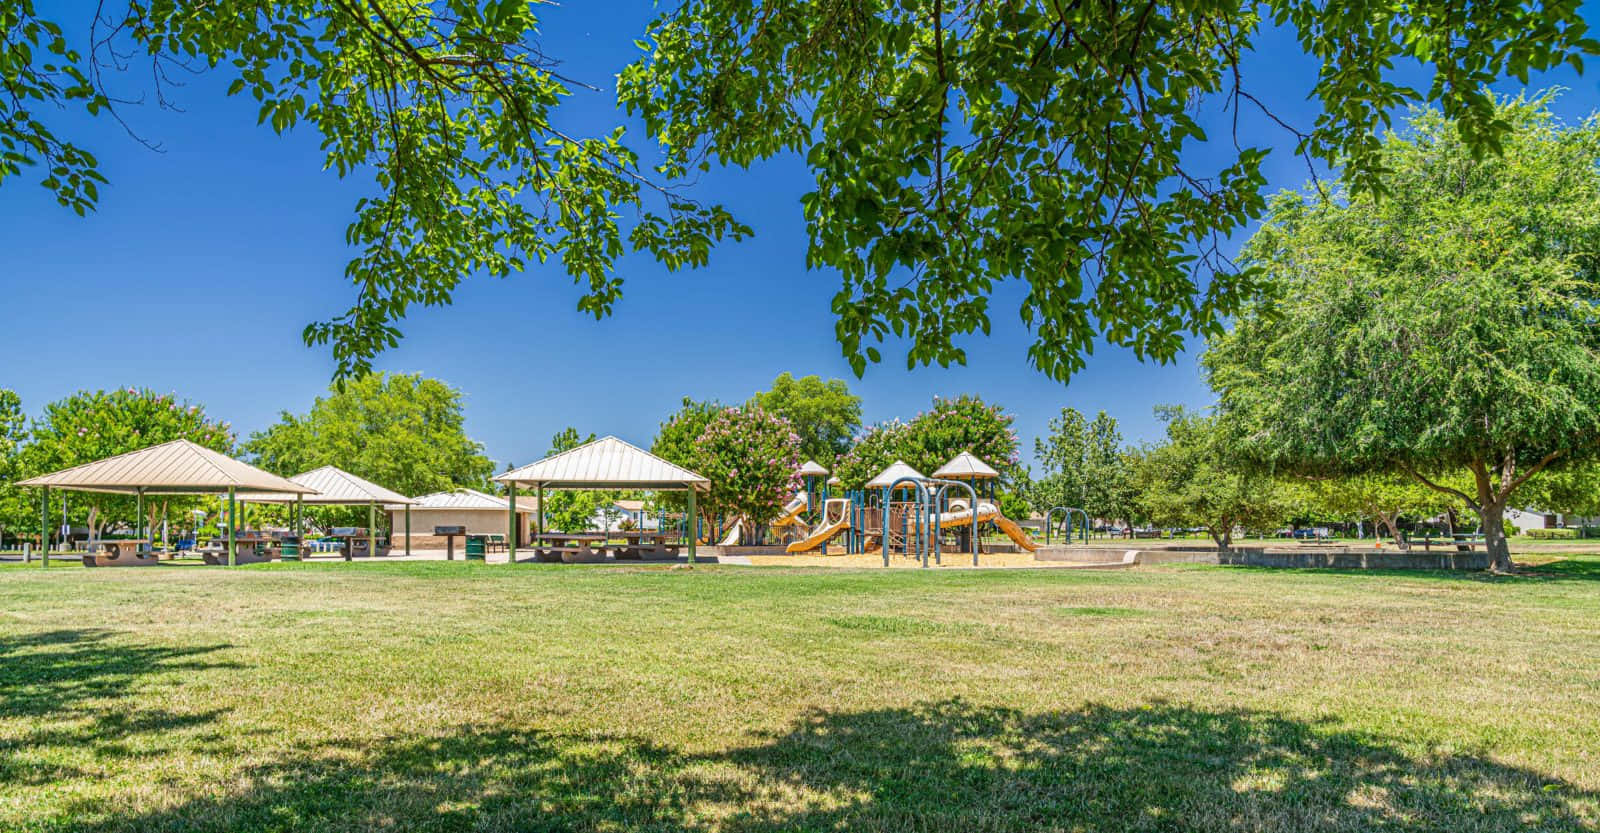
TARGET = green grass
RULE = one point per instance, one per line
(471, 697)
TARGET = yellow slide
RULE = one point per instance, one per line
(1015, 533)
(791, 512)
(826, 530)
(960, 516)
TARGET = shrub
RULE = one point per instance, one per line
(1552, 533)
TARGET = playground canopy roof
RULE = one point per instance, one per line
(470, 499)
(176, 467)
(811, 468)
(334, 487)
(965, 466)
(894, 472)
(606, 463)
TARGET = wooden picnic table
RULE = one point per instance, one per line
(645, 543)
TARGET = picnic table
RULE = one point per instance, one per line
(645, 543)
(120, 552)
(570, 547)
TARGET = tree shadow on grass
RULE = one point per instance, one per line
(937, 766)
(82, 690)
(1565, 569)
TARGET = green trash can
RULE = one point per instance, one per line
(289, 548)
(475, 547)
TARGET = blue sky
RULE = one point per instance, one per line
(205, 261)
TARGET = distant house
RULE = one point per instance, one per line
(613, 514)
(481, 514)
(1526, 519)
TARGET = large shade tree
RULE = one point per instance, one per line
(961, 144)
(1448, 326)
(401, 431)
(933, 437)
(16, 510)
(1083, 465)
(825, 414)
(1194, 477)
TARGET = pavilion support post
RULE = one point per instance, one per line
(408, 529)
(372, 529)
(299, 537)
(511, 523)
(693, 533)
(233, 525)
(539, 496)
(138, 508)
(44, 527)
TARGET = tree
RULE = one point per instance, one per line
(933, 437)
(964, 143)
(675, 442)
(826, 415)
(569, 510)
(89, 426)
(752, 459)
(1445, 327)
(401, 431)
(1083, 466)
(1194, 479)
(1382, 496)
(967, 144)
(16, 510)
(447, 108)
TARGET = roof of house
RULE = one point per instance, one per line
(606, 463)
(467, 499)
(176, 467)
(334, 487)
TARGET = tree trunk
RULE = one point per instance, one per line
(1494, 535)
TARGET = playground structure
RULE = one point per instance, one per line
(1067, 513)
(903, 512)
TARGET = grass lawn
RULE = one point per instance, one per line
(450, 696)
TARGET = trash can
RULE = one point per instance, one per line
(289, 548)
(475, 547)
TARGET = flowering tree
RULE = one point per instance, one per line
(929, 440)
(89, 426)
(752, 459)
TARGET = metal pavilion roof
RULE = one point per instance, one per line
(176, 467)
(894, 472)
(966, 466)
(606, 463)
(334, 487)
(470, 499)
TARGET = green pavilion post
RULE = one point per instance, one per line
(694, 535)
(138, 504)
(372, 529)
(408, 529)
(299, 527)
(539, 496)
(511, 524)
(233, 524)
(44, 527)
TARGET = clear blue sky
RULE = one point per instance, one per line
(205, 261)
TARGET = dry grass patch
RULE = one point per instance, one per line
(449, 696)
